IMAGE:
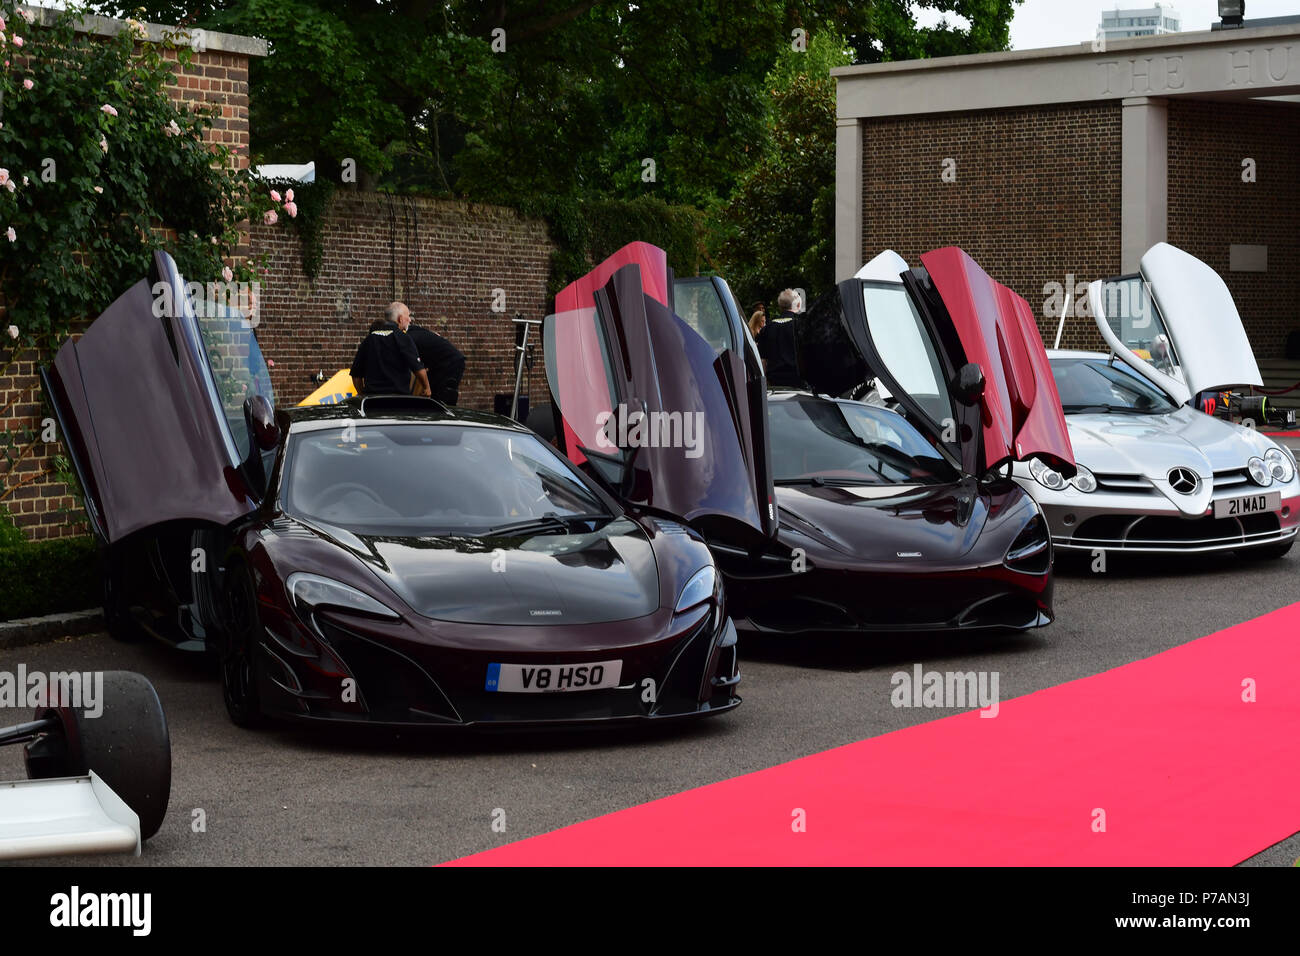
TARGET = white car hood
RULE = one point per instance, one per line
(1150, 445)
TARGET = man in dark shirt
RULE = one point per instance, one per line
(385, 361)
(444, 362)
(777, 345)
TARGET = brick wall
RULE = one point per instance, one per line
(43, 506)
(1037, 196)
(442, 258)
(1210, 207)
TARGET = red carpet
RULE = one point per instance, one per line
(1187, 773)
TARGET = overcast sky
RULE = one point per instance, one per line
(1039, 23)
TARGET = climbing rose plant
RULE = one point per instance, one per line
(99, 166)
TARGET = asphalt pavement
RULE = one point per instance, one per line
(289, 796)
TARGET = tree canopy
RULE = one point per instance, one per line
(494, 100)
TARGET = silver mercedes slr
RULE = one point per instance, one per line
(1156, 473)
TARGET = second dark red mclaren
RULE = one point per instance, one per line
(826, 511)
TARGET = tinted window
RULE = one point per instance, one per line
(238, 369)
(415, 479)
(698, 303)
(846, 440)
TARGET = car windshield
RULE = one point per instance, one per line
(818, 440)
(1096, 385)
(414, 478)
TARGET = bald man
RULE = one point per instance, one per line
(444, 362)
(385, 361)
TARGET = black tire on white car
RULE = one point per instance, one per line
(126, 744)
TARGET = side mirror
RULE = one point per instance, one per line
(969, 386)
(261, 422)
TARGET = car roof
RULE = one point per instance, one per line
(783, 394)
(1076, 354)
(390, 410)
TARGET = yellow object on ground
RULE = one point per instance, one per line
(337, 389)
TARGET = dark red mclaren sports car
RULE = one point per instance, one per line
(387, 561)
(881, 519)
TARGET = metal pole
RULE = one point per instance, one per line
(522, 349)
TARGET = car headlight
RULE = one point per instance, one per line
(1084, 480)
(1047, 476)
(1259, 472)
(310, 591)
(1031, 551)
(1279, 464)
(700, 588)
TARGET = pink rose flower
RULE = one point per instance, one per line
(270, 218)
(227, 274)
(270, 363)
(103, 144)
(4, 176)
(13, 331)
(27, 84)
(289, 196)
(99, 189)
(275, 196)
(292, 209)
(108, 109)
(18, 41)
(11, 235)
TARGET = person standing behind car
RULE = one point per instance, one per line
(385, 361)
(757, 318)
(444, 362)
(776, 343)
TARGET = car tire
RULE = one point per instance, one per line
(127, 746)
(237, 653)
(1268, 552)
(117, 610)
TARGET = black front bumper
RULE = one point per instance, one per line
(418, 683)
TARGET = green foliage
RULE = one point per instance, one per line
(10, 535)
(91, 189)
(581, 95)
(778, 228)
(588, 231)
(45, 577)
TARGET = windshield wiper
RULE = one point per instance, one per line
(819, 482)
(547, 522)
(1127, 409)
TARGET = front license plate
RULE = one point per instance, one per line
(1250, 505)
(552, 678)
